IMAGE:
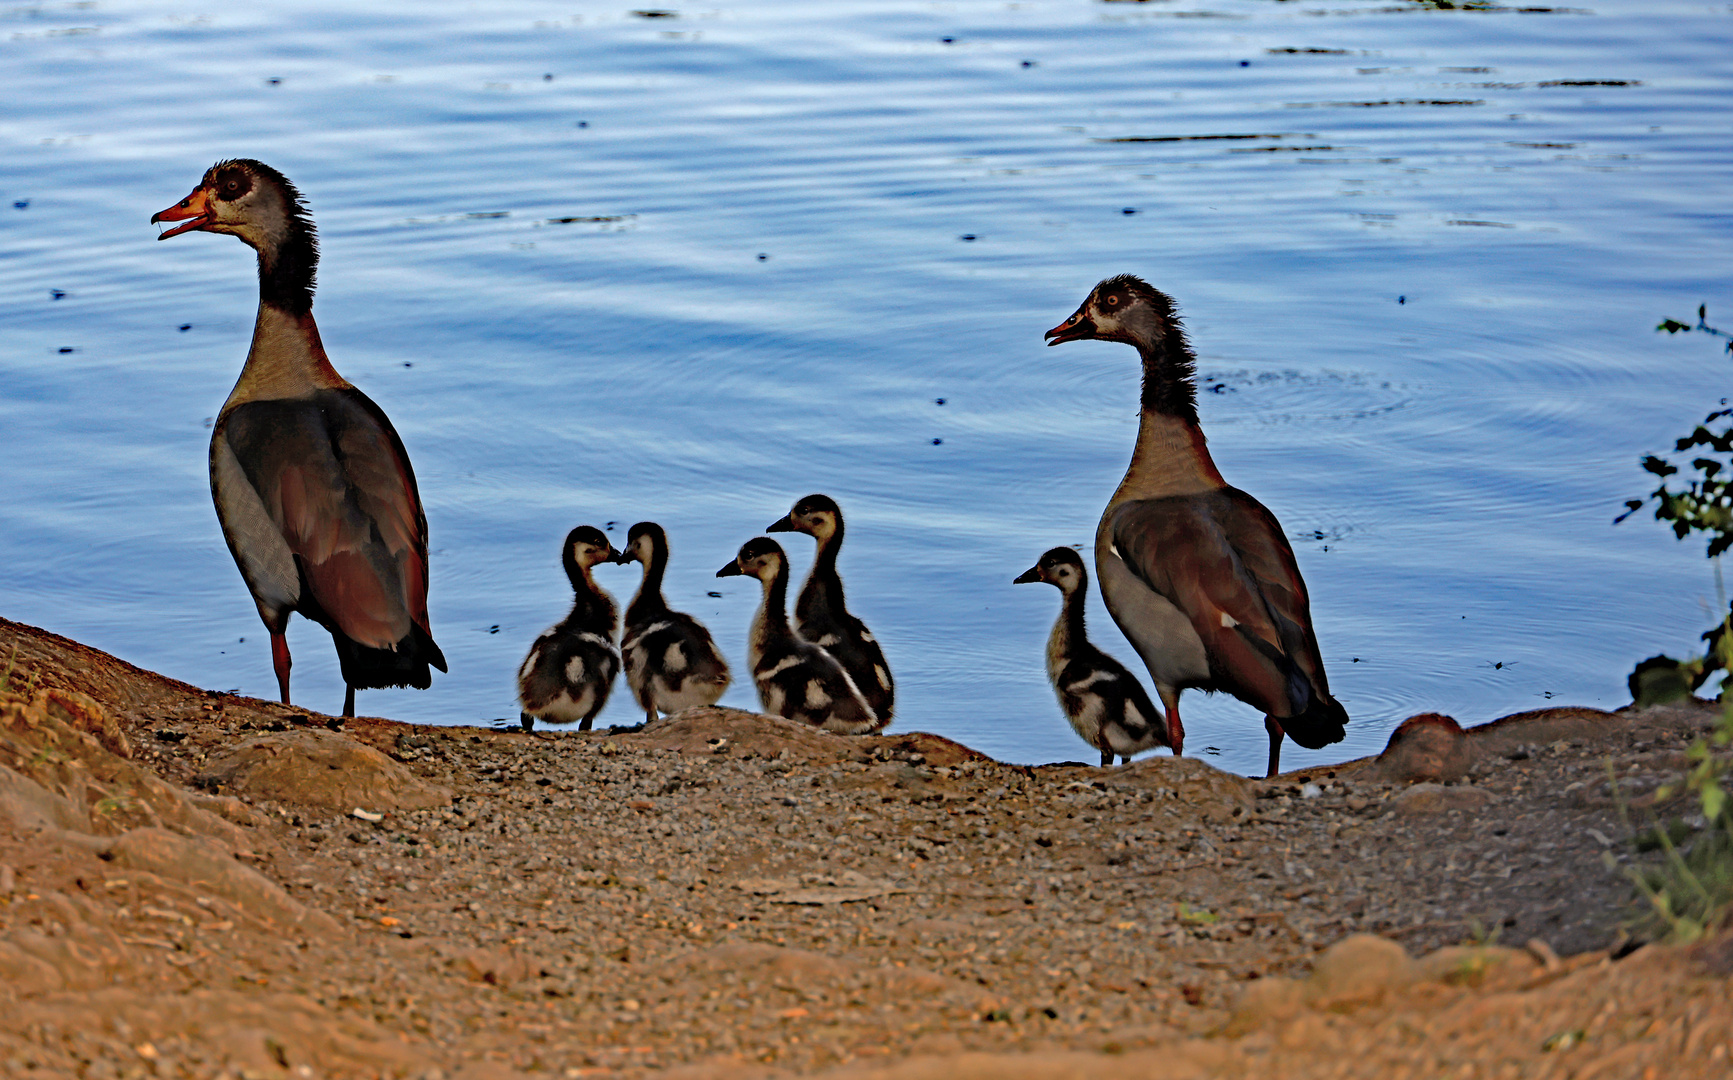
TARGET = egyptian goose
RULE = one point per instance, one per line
(566, 677)
(795, 678)
(672, 663)
(1105, 703)
(313, 488)
(820, 613)
(1198, 574)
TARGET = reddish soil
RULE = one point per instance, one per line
(201, 885)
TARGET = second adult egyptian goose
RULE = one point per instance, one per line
(313, 488)
(795, 678)
(1197, 574)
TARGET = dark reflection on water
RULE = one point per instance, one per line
(713, 264)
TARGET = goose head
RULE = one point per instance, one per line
(1060, 566)
(243, 198)
(760, 557)
(642, 542)
(817, 516)
(585, 547)
(1122, 308)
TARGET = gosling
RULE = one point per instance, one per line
(570, 669)
(820, 613)
(672, 663)
(795, 678)
(1105, 703)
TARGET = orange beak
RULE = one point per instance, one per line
(194, 210)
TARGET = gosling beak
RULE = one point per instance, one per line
(731, 570)
(1031, 574)
(781, 524)
(1077, 328)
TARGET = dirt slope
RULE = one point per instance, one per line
(200, 885)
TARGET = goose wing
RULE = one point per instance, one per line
(331, 475)
(1222, 560)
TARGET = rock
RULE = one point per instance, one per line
(1472, 965)
(200, 862)
(25, 804)
(692, 731)
(1437, 799)
(24, 974)
(319, 768)
(1429, 746)
(1267, 1000)
(1359, 969)
(496, 967)
(1218, 796)
(1540, 726)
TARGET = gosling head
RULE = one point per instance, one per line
(760, 557)
(1122, 308)
(816, 515)
(1060, 566)
(642, 540)
(585, 547)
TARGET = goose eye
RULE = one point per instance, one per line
(1112, 301)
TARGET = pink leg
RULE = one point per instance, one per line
(1274, 727)
(1175, 729)
(280, 661)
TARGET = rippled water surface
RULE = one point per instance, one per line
(601, 266)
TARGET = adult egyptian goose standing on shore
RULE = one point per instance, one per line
(672, 662)
(795, 678)
(1105, 703)
(570, 670)
(821, 613)
(1197, 574)
(313, 488)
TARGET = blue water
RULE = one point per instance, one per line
(1426, 330)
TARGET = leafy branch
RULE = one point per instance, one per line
(1705, 503)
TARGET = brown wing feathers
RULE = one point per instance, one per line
(338, 485)
(1225, 564)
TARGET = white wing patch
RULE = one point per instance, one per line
(674, 660)
(816, 698)
(575, 670)
(884, 676)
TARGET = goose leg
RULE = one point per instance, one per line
(528, 721)
(650, 716)
(280, 662)
(1175, 729)
(1106, 758)
(348, 700)
(1274, 727)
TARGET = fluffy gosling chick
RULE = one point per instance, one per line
(566, 677)
(821, 614)
(1105, 703)
(672, 663)
(795, 678)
